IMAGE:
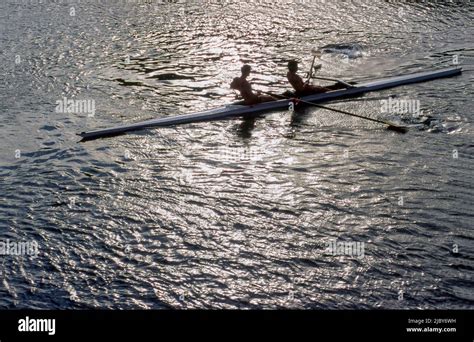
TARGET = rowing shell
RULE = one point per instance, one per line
(236, 110)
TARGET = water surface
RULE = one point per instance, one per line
(233, 214)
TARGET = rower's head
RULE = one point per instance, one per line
(245, 70)
(293, 66)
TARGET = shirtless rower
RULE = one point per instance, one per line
(301, 87)
(243, 86)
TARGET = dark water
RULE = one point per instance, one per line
(232, 214)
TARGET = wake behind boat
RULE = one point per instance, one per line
(237, 109)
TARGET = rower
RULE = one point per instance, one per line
(243, 86)
(303, 88)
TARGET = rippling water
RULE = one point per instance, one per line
(232, 214)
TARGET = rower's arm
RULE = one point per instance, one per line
(235, 84)
(246, 90)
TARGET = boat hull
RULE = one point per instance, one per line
(235, 110)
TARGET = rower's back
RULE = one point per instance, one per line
(243, 86)
(296, 81)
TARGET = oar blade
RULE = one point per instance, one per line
(396, 128)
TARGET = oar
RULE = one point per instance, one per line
(348, 85)
(391, 126)
(377, 98)
(310, 73)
